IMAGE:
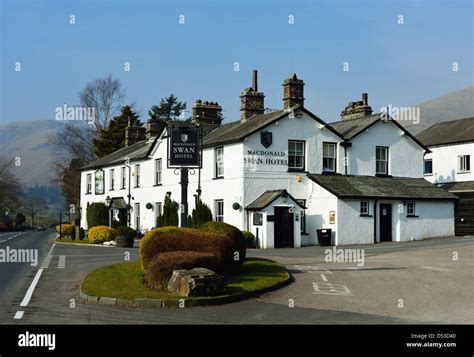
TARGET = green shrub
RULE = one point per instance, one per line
(249, 239)
(201, 214)
(161, 267)
(101, 234)
(171, 239)
(126, 232)
(66, 229)
(221, 228)
(97, 215)
(170, 214)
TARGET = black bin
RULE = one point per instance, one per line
(324, 237)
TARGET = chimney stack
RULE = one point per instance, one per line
(134, 133)
(208, 115)
(359, 109)
(251, 100)
(293, 92)
(154, 127)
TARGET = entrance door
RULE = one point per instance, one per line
(385, 222)
(122, 215)
(283, 227)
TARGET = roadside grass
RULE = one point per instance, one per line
(68, 239)
(125, 280)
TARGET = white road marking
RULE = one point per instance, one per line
(62, 262)
(47, 260)
(331, 289)
(435, 268)
(16, 235)
(19, 315)
(32, 287)
(324, 277)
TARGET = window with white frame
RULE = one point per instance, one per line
(137, 175)
(219, 210)
(381, 160)
(296, 155)
(428, 167)
(411, 208)
(219, 157)
(464, 163)
(364, 208)
(158, 171)
(136, 210)
(89, 183)
(329, 157)
(123, 177)
(112, 179)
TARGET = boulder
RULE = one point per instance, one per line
(196, 282)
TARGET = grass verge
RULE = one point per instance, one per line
(125, 280)
(69, 240)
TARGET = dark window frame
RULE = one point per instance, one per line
(425, 161)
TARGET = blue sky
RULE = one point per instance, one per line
(396, 64)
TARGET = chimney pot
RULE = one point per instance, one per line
(254, 80)
(365, 98)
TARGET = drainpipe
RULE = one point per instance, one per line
(345, 160)
(375, 221)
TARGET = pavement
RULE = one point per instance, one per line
(399, 283)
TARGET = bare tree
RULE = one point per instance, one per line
(106, 96)
(33, 206)
(11, 189)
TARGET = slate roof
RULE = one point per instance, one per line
(137, 151)
(353, 127)
(463, 186)
(372, 187)
(350, 128)
(237, 130)
(449, 132)
(267, 198)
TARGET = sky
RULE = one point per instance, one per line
(397, 63)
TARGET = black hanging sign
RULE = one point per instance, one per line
(184, 147)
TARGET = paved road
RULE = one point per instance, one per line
(433, 288)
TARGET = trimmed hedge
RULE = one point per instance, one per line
(97, 215)
(161, 267)
(172, 239)
(249, 238)
(126, 232)
(66, 229)
(221, 228)
(101, 234)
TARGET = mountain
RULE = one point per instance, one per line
(27, 140)
(454, 105)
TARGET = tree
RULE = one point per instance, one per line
(170, 213)
(113, 137)
(71, 182)
(202, 213)
(168, 109)
(33, 206)
(11, 190)
(20, 219)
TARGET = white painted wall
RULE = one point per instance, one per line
(352, 228)
(445, 163)
(319, 204)
(405, 156)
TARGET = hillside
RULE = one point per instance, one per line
(454, 105)
(28, 141)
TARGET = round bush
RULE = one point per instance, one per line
(162, 266)
(66, 229)
(101, 234)
(127, 232)
(237, 237)
(172, 239)
(249, 239)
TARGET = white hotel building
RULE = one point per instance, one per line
(283, 174)
(449, 166)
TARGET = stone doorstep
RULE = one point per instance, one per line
(188, 301)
